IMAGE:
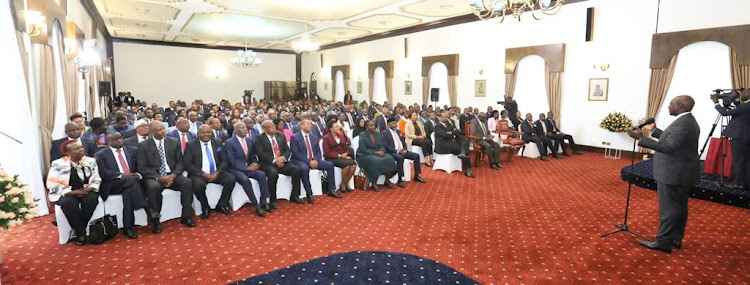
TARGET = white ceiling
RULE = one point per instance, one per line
(271, 24)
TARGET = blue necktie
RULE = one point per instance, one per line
(210, 158)
(162, 167)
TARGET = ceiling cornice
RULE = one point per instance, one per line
(203, 46)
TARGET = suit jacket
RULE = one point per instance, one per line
(389, 144)
(676, 159)
(477, 130)
(347, 98)
(315, 130)
(149, 159)
(443, 138)
(551, 125)
(528, 131)
(220, 135)
(176, 135)
(462, 119)
(410, 132)
(264, 151)
(88, 145)
(109, 169)
(193, 157)
(129, 100)
(429, 127)
(366, 146)
(236, 156)
(381, 123)
(739, 127)
(540, 126)
(299, 148)
(132, 141)
(129, 133)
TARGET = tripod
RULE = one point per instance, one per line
(723, 140)
(624, 226)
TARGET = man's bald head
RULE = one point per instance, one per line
(681, 104)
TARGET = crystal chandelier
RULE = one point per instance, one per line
(305, 44)
(246, 58)
(490, 9)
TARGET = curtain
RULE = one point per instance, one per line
(333, 88)
(426, 89)
(658, 86)
(370, 89)
(90, 95)
(510, 83)
(47, 99)
(73, 72)
(452, 90)
(553, 83)
(389, 89)
(64, 68)
(346, 88)
(740, 73)
(25, 62)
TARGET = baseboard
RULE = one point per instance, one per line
(625, 153)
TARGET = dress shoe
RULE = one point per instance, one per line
(260, 212)
(577, 152)
(388, 184)
(495, 167)
(400, 184)
(334, 194)
(130, 233)
(267, 208)
(375, 188)
(273, 206)
(656, 245)
(565, 154)
(310, 200)
(152, 214)
(224, 210)
(206, 213)
(677, 244)
(556, 156)
(544, 158)
(468, 173)
(297, 200)
(500, 165)
(81, 240)
(188, 222)
(419, 179)
(156, 227)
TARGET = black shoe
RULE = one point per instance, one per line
(677, 244)
(556, 156)
(656, 245)
(388, 184)
(500, 165)
(296, 200)
(400, 184)
(334, 194)
(260, 212)
(152, 214)
(468, 173)
(544, 158)
(566, 154)
(130, 233)
(156, 227)
(273, 206)
(81, 240)
(224, 210)
(495, 167)
(375, 187)
(577, 152)
(188, 222)
(310, 200)
(267, 207)
(206, 213)
(419, 179)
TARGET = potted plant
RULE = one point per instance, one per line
(616, 122)
(17, 203)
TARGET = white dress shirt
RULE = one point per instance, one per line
(157, 143)
(205, 165)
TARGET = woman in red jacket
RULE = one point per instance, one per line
(337, 149)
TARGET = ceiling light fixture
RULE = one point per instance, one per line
(246, 58)
(305, 44)
(491, 9)
(143, 10)
(446, 7)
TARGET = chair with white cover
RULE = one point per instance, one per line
(171, 206)
(446, 162)
(381, 178)
(113, 206)
(337, 173)
(418, 150)
(213, 194)
(64, 230)
(284, 187)
(239, 198)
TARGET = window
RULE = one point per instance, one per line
(531, 91)
(378, 89)
(61, 117)
(439, 79)
(339, 86)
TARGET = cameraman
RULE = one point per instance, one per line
(738, 130)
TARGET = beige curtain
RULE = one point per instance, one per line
(64, 68)
(90, 95)
(370, 89)
(73, 72)
(389, 90)
(25, 63)
(740, 73)
(452, 90)
(426, 89)
(346, 87)
(658, 87)
(510, 84)
(553, 83)
(47, 99)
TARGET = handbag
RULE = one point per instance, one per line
(102, 229)
(361, 181)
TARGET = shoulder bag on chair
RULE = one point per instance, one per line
(102, 229)
(361, 181)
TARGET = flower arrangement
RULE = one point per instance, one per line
(616, 122)
(17, 204)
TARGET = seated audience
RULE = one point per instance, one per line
(555, 134)
(416, 135)
(141, 134)
(530, 134)
(250, 127)
(243, 164)
(484, 138)
(281, 129)
(217, 132)
(373, 159)
(120, 125)
(450, 140)
(73, 132)
(337, 149)
(274, 157)
(342, 119)
(182, 133)
(193, 122)
(206, 162)
(78, 119)
(493, 118)
(97, 132)
(359, 127)
(306, 154)
(395, 144)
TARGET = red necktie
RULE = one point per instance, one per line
(372, 138)
(275, 147)
(244, 146)
(123, 163)
(183, 142)
(309, 149)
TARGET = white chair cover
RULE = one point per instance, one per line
(446, 162)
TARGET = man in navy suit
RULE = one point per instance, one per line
(217, 132)
(244, 165)
(250, 127)
(182, 133)
(530, 135)
(395, 145)
(119, 172)
(72, 132)
(206, 162)
(306, 155)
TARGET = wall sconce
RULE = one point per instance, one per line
(88, 57)
(71, 46)
(602, 67)
(35, 23)
(217, 71)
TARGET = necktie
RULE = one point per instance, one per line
(144, 138)
(484, 130)
(162, 166)
(123, 163)
(184, 139)
(372, 138)
(309, 149)
(275, 146)
(210, 156)
(244, 146)
(396, 140)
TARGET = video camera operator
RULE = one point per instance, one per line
(738, 130)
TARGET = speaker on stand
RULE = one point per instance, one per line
(434, 96)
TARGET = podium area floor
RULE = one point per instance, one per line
(532, 223)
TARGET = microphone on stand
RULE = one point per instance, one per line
(647, 122)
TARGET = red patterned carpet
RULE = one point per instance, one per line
(531, 223)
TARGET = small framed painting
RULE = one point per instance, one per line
(407, 88)
(480, 88)
(598, 89)
(359, 87)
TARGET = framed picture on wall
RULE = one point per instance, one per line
(407, 88)
(598, 89)
(359, 87)
(480, 88)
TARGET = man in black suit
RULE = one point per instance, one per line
(483, 137)
(182, 133)
(555, 134)
(543, 132)
(217, 131)
(141, 134)
(429, 125)
(206, 162)
(467, 116)
(450, 140)
(119, 172)
(128, 99)
(739, 130)
(530, 135)
(676, 170)
(72, 132)
(395, 146)
(348, 97)
(274, 158)
(512, 107)
(160, 164)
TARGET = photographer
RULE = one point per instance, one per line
(738, 130)
(512, 107)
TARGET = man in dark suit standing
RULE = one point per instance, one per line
(206, 162)
(530, 135)
(484, 138)
(512, 107)
(555, 134)
(72, 132)
(676, 170)
(119, 172)
(348, 97)
(160, 164)
(243, 164)
(274, 157)
(182, 133)
(395, 146)
(306, 154)
(739, 130)
(128, 99)
(450, 140)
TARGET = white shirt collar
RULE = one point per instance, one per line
(114, 150)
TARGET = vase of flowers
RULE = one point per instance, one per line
(616, 122)
(17, 203)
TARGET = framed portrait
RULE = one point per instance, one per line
(407, 87)
(480, 88)
(598, 89)
(359, 87)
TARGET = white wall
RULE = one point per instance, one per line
(158, 74)
(621, 39)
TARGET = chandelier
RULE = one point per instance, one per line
(490, 9)
(246, 58)
(305, 44)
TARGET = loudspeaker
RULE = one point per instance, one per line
(434, 94)
(105, 89)
(590, 24)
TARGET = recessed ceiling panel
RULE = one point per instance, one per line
(384, 22)
(342, 33)
(140, 25)
(281, 46)
(139, 35)
(314, 10)
(241, 43)
(140, 10)
(321, 41)
(242, 26)
(438, 8)
(196, 40)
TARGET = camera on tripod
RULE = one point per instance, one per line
(729, 94)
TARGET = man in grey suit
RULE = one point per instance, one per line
(739, 130)
(676, 170)
(481, 135)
